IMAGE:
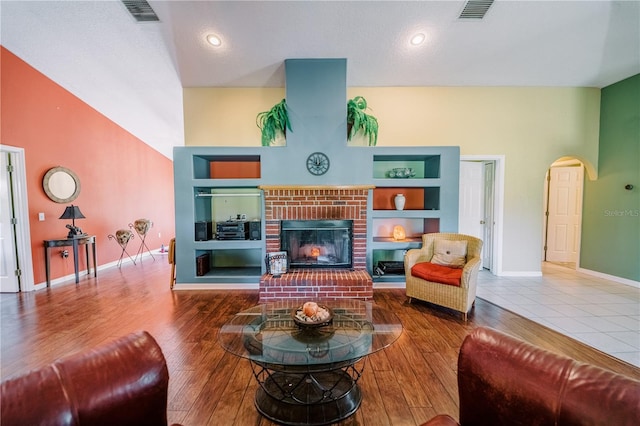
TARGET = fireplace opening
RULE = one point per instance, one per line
(317, 243)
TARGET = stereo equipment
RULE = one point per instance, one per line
(204, 231)
(254, 230)
(232, 230)
(389, 267)
(202, 264)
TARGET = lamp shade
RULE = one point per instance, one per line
(72, 212)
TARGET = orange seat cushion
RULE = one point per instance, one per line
(437, 273)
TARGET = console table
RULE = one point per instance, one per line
(86, 240)
(308, 376)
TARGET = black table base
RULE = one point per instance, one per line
(307, 396)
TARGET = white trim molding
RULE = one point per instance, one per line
(21, 206)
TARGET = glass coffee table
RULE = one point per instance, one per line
(308, 374)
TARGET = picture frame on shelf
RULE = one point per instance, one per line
(277, 263)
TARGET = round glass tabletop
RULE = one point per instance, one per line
(268, 334)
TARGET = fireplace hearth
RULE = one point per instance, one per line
(317, 243)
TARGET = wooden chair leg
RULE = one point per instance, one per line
(172, 261)
(173, 275)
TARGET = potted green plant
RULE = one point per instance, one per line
(273, 122)
(359, 121)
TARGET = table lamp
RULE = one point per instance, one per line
(73, 212)
(399, 233)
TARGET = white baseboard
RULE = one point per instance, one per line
(83, 273)
(383, 285)
(217, 286)
(620, 280)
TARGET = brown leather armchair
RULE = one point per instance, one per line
(505, 381)
(124, 382)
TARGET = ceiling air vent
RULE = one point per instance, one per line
(141, 10)
(475, 9)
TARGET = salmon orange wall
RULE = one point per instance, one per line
(122, 178)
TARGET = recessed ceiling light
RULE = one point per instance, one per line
(417, 39)
(214, 40)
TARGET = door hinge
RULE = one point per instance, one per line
(10, 168)
(14, 221)
(18, 272)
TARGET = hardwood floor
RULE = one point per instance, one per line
(405, 384)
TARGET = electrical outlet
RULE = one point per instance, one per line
(159, 235)
(64, 253)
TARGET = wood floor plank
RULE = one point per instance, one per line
(372, 406)
(405, 374)
(228, 406)
(212, 391)
(405, 384)
(395, 404)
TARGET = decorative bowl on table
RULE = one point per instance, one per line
(401, 173)
(312, 315)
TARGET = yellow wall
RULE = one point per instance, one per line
(225, 117)
(531, 127)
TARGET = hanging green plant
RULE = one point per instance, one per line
(273, 122)
(358, 120)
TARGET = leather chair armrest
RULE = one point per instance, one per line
(35, 398)
(123, 382)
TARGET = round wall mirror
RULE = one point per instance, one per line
(61, 185)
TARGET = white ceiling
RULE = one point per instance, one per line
(133, 73)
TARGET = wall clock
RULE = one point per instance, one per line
(318, 163)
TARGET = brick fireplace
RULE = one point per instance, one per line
(317, 202)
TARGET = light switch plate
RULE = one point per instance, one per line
(41, 217)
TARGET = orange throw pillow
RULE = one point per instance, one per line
(437, 273)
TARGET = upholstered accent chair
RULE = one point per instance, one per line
(444, 271)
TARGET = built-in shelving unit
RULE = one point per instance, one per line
(428, 179)
(214, 184)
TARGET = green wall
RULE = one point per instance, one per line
(611, 214)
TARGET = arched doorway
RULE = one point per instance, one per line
(562, 228)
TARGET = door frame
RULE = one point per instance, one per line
(498, 207)
(570, 162)
(21, 206)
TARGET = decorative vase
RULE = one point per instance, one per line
(399, 201)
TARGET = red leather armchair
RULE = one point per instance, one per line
(124, 382)
(505, 381)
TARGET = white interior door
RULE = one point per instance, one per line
(471, 219)
(564, 214)
(9, 281)
(489, 217)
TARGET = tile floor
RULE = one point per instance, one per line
(598, 312)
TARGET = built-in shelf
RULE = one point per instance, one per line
(226, 167)
(396, 166)
(216, 184)
(421, 177)
(230, 194)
